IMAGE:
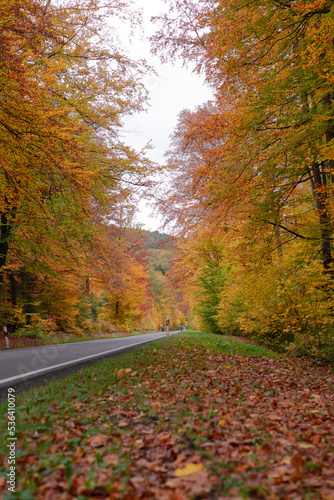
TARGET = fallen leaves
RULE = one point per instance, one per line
(111, 459)
(155, 405)
(306, 446)
(193, 480)
(123, 372)
(17, 342)
(188, 470)
(191, 437)
(97, 441)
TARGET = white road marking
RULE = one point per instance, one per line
(75, 361)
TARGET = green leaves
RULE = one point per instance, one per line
(69, 474)
(241, 398)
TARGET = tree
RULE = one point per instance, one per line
(63, 168)
(273, 61)
(255, 165)
(202, 272)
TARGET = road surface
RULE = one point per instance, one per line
(31, 366)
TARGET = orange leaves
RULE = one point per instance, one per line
(156, 405)
(111, 459)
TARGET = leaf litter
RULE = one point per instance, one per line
(177, 420)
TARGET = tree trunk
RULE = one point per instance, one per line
(87, 285)
(4, 245)
(320, 193)
(13, 289)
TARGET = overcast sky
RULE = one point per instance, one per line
(173, 89)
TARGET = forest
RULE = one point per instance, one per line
(71, 258)
(250, 203)
(254, 168)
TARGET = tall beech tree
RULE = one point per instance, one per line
(273, 60)
(255, 166)
(64, 87)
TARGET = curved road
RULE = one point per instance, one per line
(31, 366)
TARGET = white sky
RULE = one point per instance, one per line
(173, 89)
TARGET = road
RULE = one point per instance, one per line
(31, 366)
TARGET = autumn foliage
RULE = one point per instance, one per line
(253, 168)
(69, 184)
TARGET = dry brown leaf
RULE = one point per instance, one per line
(285, 460)
(326, 494)
(111, 459)
(137, 482)
(305, 446)
(97, 441)
(156, 405)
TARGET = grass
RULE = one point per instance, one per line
(95, 378)
(127, 423)
(229, 345)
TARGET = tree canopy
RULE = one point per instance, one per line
(68, 181)
(255, 165)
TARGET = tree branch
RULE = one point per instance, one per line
(292, 232)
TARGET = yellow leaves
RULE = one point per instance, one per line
(222, 422)
(123, 372)
(309, 7)
(188, 470)
(52, 159)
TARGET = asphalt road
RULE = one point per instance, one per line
(32, 366)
